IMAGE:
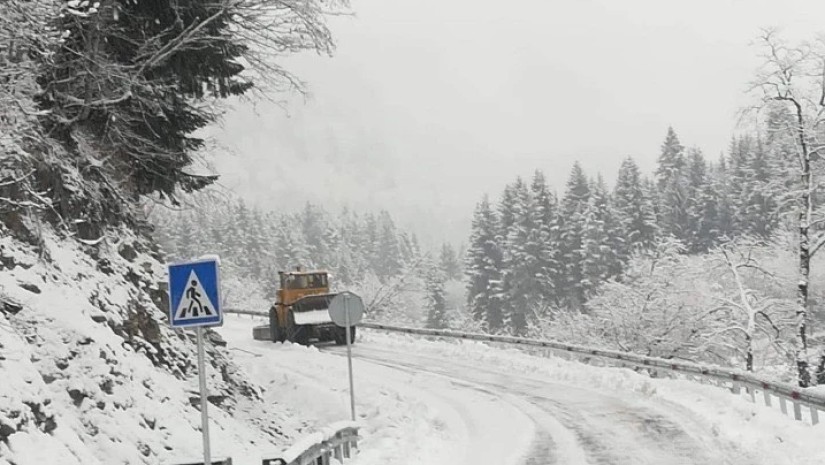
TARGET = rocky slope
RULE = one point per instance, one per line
(93, 375)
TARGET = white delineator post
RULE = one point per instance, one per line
(207, 459)
(349, 356)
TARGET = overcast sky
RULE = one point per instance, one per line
(428, 104)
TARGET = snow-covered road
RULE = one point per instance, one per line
(429, 402)
(572, 425)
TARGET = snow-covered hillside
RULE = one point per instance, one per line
(92, 374)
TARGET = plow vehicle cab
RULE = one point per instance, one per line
(300, 312)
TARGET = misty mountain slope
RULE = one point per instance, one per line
(92, 374)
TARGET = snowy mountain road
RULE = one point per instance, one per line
(571, 425)
(430, 402)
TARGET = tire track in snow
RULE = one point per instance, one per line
(541, 446)
(542, 449)
(579, 426)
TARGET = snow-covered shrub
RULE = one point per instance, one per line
(694, 307)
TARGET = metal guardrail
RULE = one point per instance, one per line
(246, 312)
(337, 440)
(734, 380)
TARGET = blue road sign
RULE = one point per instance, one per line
(194, 294)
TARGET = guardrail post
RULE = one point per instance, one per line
(814, 415)
(752, 393)
(346, 450)
(767, 395)
(736, 388)
(797, 411)
(783, 405)
(338, 452)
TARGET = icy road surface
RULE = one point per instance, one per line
(433, 403)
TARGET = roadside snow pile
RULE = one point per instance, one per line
(92, 374)
(764, 430)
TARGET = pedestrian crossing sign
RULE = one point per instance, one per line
(194, 294)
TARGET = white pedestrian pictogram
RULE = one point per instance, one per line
(195, 302)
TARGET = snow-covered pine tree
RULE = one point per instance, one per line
(188, 240)
(723, 228)
(353, 237)
(706, 211)
(543, 241)
(519, 263)
(671, 160)
(506, 221)
(410, 250)
(242, 241)
(761, 200)
(313, 228)
(483, 267)
(448, 261)
(389, 253)
(696, 181)
(672, 188)
(573, 206)
(634, 209)
(436, 302)
(369, 242)
(601, 240)
(739, 153)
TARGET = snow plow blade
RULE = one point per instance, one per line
(313, 310)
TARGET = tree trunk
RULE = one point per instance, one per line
(749, 354)
(805, 213)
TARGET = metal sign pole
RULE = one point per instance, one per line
(207, 459)
(349, 356)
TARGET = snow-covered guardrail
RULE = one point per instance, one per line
(736, 381)
(246, 312)
(337, 440)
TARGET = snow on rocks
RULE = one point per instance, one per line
(93, 375)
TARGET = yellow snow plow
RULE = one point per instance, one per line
(300, 312)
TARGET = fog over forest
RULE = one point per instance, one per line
(427, 105)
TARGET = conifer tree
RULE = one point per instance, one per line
(696, 181)
(543, 242)
(671, 160)
(760, 193)
(519, 263)
(483, 268)
(672, 187)
(601, 241)
(573, 207)
(389, 254)
(724, 225)
(449, 263)
(436, 302)
(707, 212)
(634, 209)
